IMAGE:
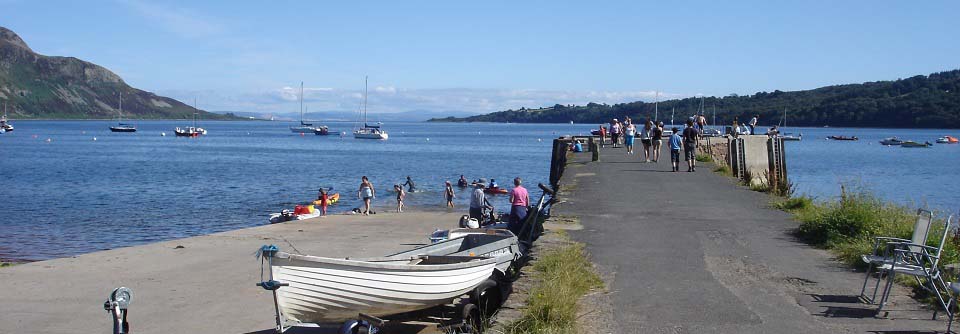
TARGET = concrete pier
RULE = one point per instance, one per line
(696, 253)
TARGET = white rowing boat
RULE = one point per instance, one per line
(311, 290)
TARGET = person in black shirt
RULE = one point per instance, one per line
(656, 137)
(690, 136)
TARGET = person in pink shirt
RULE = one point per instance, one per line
(519, 201)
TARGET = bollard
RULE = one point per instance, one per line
(595, 150)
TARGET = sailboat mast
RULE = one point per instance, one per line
(120, 113)
(365, 78)
(656, 105)
(301, 102)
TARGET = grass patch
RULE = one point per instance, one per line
(723, 170)
(704, 158)
(6, 264)
(563, 276)
(847, 226)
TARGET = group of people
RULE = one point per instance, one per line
(519, 201)
(651, 136)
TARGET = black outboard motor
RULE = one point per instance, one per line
(117, 305)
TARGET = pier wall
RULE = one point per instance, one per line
(755, 159)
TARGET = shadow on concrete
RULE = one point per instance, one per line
(904, 332)
(848, 299)
(849, 312)
(648, 170)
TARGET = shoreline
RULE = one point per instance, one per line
(177, 283)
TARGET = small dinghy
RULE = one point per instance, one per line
(843, 138)
(911, 143)
(309, 290)
(499, 244)
(300, 212)
(891, 141)
(947, 140)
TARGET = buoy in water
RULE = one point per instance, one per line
(163, 134)
(49, 140)
(539, 139)
(94, 138)
(428, 139)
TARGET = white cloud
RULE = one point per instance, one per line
(392, 99)
(180, 21)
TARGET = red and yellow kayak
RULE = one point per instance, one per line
(331, 199)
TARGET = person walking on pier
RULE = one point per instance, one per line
(478, 201)
(615, 132)
(645, 136)
(449, 194)
(603, 134)
(366, 193)
(519, 201)
(690, 136)
(655, 138)
(675, 145)
(753, 123)
(629, 133)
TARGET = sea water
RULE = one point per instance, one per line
(72, 187)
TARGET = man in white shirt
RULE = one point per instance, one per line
(753, 123)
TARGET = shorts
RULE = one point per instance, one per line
(476, 213)
(656, 143)
(689, 152)
(449, 198)
(646, 142)
(674, 155)
(614, 137)
(628, 140)
(365, 198)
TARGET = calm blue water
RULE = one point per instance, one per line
(73, 195)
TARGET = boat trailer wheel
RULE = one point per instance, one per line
(472, 318)
(117, 305)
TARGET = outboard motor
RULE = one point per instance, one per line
(117, 305)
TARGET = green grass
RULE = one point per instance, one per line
(704, 158)
(563, 276)
(723, 170)
(848, 226)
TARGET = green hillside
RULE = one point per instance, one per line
(35, 86)
(931, 101)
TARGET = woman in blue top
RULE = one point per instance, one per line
(366, 193)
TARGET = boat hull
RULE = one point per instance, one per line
(499, 244)
(368, 135)
(122, 129)
(325, 290)
(302, 129)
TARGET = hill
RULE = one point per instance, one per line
(923, 101)
(37, 86)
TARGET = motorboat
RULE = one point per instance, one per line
(710, 132)
(321, 130)
(496, 243)
(121, 126)
(947, 140)
(843, 138)
(891, 141)
(790, 137)
(910, 143)
(309, 290)
(191, 131)
(495, 190)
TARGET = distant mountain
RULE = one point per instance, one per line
(38, 86)
(923, 101)
(351, 116)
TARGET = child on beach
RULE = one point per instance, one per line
(400, 195)
(324, 201)
(448, 193)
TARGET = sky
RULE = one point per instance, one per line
(484, 56)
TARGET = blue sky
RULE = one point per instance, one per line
(485, 56)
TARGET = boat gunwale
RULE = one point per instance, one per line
(392, 263)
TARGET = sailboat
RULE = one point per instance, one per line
(656, 114)
(712, 131)
(368, 131)
(191, 131)
(121, 126)
(789, 136)
(303, 127)
(5, 125)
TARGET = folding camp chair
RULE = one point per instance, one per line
(922, 262)
(883, 251)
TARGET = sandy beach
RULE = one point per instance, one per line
(202, 284)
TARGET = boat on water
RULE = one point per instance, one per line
(910, 143)
(369, 131)
(711, 132)
(786, 135)
(121, 126)
(891, 141)
(495, 190)
(322, 130)
(5, 125)
(947, 140)
(309, 290)
(304, 127)
(843, 138)
(191, 131)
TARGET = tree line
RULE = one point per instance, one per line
(923, 101)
